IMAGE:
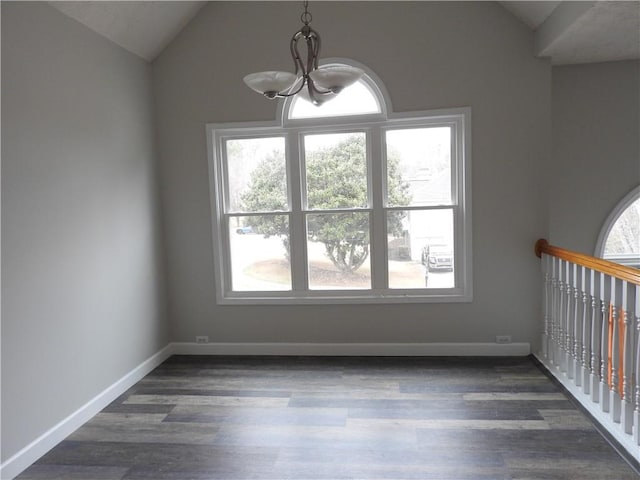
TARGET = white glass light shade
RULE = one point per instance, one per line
(335, 78)
(270, 82)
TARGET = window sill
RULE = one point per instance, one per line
(322, 298)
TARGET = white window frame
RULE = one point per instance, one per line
(459, 119)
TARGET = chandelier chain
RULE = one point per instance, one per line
(306, 16)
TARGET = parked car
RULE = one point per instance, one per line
(437, 257)
(244, 230)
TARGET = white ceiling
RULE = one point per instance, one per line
(568, 31)
(531, 13)
(143, 27)
(582, 32)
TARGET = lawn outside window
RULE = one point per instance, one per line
(343, 203)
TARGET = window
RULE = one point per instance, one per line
(342, 203)
(619, 240)
(357, 99)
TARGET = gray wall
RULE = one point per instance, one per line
(596, 148)
(82, 283)
(429, 55)
(82, 270)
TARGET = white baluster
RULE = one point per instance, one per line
(628, 301)
(562, 299)
(605, 287)
(570, 320)
(596, 318)
(562, 316)
(577, 327)
(546, 298)
(586, 329)
(554, 311)
(636, 371)
(614, 391)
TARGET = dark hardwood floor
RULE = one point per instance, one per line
(337, 418)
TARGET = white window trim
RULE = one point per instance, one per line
(460, 118)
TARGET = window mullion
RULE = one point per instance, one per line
(378, 248)
(297, 243)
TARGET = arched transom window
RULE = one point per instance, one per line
(341, 203)
(619, 239)
(357, 99)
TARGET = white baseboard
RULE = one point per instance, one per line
(45, 442)
(355, 349)
(625, 440)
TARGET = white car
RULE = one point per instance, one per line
(437, 257)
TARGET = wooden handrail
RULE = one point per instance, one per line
(622, 272)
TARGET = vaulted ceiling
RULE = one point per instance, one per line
(582, 32)
(143, 28)
(568, 32)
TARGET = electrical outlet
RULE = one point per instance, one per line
(202, 339)
(503, 339)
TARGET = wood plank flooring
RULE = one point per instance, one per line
(277, 418)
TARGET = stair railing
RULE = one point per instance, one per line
(590, 336)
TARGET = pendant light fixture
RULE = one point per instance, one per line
(316, 84)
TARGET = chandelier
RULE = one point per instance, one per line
(316, 84)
